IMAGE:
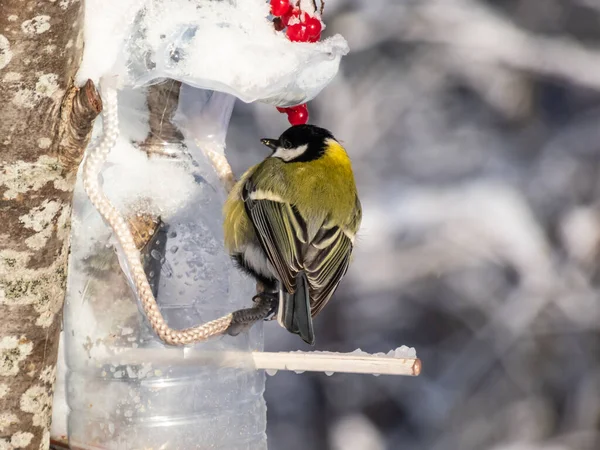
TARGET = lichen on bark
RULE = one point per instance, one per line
(45, 123)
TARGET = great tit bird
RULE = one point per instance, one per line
(290, 222)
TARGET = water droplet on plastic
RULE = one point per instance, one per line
(329, 373)
(271, 372)
(156, 254)
(166, 269)
(173, 234)
(376, 374)
(299, 371)
(174, 249)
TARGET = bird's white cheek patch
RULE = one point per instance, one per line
(287, 154)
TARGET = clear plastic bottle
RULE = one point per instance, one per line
(125, 389)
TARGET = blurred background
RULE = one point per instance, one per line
(474, 129)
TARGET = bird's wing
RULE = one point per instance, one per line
(281, 231)
(329, 256)
(326, 262)
(283, 234)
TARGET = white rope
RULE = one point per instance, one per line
(222, 167)
(91, 170)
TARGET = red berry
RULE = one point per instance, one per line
(298, 115)
(279, 7)
(313, 28)
(292, 12)
(297, 32)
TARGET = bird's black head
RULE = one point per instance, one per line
(299, 143)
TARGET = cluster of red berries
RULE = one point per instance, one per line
(299, 27)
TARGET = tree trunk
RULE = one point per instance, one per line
(45, 124)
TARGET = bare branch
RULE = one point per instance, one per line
(79, 109)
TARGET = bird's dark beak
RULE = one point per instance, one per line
(271, 143)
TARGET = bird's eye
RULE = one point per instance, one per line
(286, 144)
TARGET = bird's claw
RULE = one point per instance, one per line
(270, 299)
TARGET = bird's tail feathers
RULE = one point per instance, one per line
(294, 311)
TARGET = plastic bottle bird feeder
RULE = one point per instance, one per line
(151, 289)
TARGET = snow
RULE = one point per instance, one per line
(106, 27)
(402, 352)
(137, 184)
(144, 40)
(405, 352)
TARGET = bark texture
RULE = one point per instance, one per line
(45, 124)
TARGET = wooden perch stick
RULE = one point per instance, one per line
(337, 362)
(272, 361)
